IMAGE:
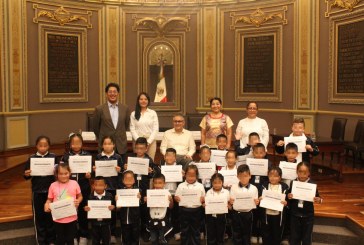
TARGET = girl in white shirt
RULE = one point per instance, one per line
(144, 123)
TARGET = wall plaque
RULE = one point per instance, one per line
(62, 66)
(258, 74)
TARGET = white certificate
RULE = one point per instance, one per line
(88, 136)
(230, 177)
(63, 208)
(138, 165)
(127, 198)
(218, 157)
(172, 173)
(157, 198)
(80, 164)
(216, 205)
(258, 166)
(205, 169)
(303, 191)
(190, 197)
(106, 168)
(289, 170)
(272, 200)
(42, 166)
(99, 209)
(241, 160)
(300, 141)
(244, 201)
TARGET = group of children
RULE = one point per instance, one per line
(187, 221)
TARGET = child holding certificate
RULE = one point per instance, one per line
(64, 189)
(272, 220)
(242, 215)
(159, 224)
(215, 223)
(221, 142)
(75, 143)
(205, 156)
(302, 212)
(191, 211)
(40, 184)
(248, 149)
(298, 129)
(113, 182)
(129, 216)
(100, 227)
(140, 151)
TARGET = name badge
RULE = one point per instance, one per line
(74, 175)
(300, 203)
(257, 179)
(139, 177)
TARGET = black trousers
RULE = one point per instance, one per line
(256, 225)
(190, 219)
(130, 234)
(175, 217)
(82, 215)
(272, 230)
(43, 223)
(66, 232)
(113, 215)
(242, 227)
(301, 230)
(100, 233)
(215, 229)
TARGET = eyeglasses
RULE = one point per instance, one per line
(252, 108)
(178, 121)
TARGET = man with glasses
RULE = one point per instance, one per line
(180, 139)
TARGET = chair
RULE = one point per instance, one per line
(337, 134)
(357, 143)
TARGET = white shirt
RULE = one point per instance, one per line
(114, 113)
(223, 192)
(275, 188)
(147, 126)
(247, 126)
(182, 142)
(235, 189)
(99, 196)
(195, 186)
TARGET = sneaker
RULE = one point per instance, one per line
(254, 239)
(177, 236)
(83, 241)
(75, 242)
(202, 236)
(113, 240)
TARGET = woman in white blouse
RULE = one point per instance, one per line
(144, 123)
(250, 124)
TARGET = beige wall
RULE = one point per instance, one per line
(209, 58)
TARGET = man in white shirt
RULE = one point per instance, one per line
(179, 139)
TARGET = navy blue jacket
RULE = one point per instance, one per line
(113, 182)
(308, 207)
(107, 197)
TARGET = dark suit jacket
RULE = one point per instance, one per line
(103, 125)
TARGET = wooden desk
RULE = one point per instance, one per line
(325, 145)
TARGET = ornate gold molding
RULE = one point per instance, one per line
(260, 17)
(347, 5)
(161, 25)
(62, 16)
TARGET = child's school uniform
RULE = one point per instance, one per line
(272, 221)
(113, 182)
(130, 225)
(85, 190)
(190, 216)
(43, 223)
(216, 223)
(242, 219)
(302, 219)
(101, 227)
(240, 151)
(159, 225)
(66, 228)
(304, 156)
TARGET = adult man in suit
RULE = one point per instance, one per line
(112, 119)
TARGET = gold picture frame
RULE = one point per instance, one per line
(54, 88)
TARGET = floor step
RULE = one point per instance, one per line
(334, 235)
